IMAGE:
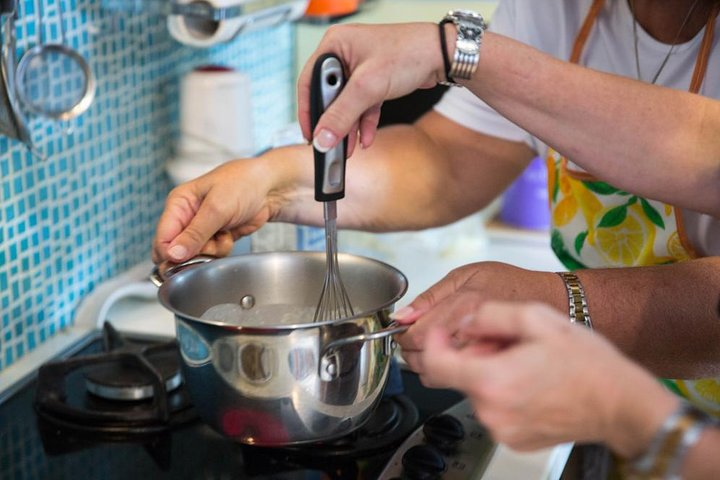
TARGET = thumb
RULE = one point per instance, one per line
(203, 226)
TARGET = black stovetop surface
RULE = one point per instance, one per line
(31, 449)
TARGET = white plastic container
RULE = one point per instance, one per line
(216, 112)
(216, 122)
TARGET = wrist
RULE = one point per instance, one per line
(461, 58)
(634, 421)
(665, 456)
(286, 167)
(283, 175)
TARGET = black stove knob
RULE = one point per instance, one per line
(444, 432)
(423, 462)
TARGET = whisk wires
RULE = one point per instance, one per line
(334, 301)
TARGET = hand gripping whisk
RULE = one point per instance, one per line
(327, 81)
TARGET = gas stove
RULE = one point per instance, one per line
(71, 412)
(115, 409)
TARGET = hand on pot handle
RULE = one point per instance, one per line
(165, 270)
(207, 214)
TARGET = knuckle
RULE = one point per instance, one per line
(194, 235)
(367, 86)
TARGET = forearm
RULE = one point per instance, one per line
(621, 130)
(413, 177)
(665, 317)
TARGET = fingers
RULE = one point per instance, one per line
(433, 296)
(424, 302)
(358, 102)
(449, 312)
(202, 228)
(447, 363)
(452, 352)
(442, 361)
(180, 207)
(191, 223)
(303, 98)
(368, 126)
(220, 245)
(414, 360)
(512, 322)
(373, 75)
(323, 138)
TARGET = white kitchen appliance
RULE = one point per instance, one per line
(205, 23)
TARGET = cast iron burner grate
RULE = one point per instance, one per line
(130, 380)
(67, 399)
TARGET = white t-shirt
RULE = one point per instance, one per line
(551, 26)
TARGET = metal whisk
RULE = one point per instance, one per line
(334, 300)
(327, 81)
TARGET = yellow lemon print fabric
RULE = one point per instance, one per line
(595, 225)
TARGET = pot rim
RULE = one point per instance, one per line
(178, 276)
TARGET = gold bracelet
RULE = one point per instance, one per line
(576, 296)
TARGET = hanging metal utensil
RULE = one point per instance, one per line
(12, 121)
(53, 79)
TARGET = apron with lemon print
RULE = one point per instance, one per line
(595, 225)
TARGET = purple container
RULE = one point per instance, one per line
(525, 202)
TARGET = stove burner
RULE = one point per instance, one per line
(63, 401)
(391, 422)
(113, 384)
(126, 380)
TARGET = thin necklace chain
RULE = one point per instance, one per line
(672, 46)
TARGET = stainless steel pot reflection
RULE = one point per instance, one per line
(273, 384)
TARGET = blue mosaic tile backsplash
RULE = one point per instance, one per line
(88, 211)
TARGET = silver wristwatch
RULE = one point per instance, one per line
(470, 27)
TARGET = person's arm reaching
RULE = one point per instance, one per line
(416, 176)
(536, 381)
(653, 141)
(665, 317)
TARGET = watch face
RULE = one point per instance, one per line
(469, 16)
(469, 32)
(470, 25)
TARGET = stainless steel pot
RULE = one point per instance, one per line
(274, 384)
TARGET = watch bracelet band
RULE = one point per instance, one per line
(577, 303)
(463, 64)
(666, 454)
(449, 80)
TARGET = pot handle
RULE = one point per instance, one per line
(160, 273)
(391, 329)
(329, 359)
